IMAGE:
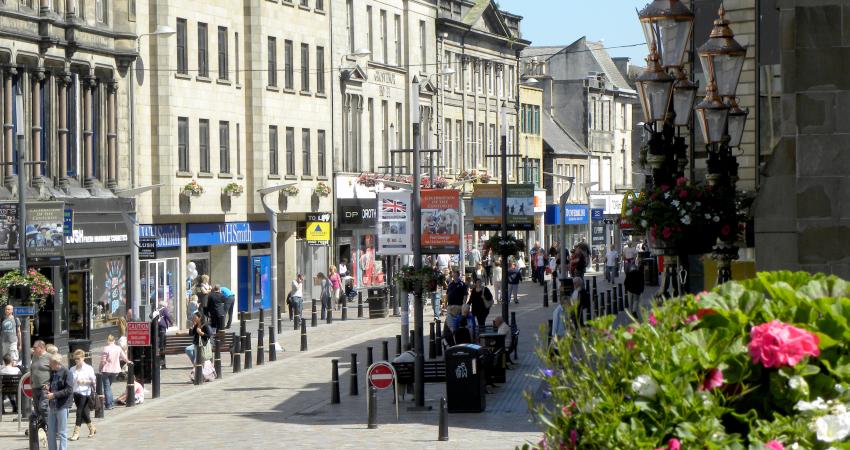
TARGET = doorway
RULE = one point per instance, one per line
(78, 289)
(159, 284)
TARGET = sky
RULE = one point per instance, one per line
(561, 22)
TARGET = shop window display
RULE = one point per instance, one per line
(109, 300)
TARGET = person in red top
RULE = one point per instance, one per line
(336, 285)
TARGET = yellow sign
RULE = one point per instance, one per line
(318, 232)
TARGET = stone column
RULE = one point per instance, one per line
(358, 136)
(70, 8)
(64, 80)
(111, 137)
(35, 128)
(8, 134)
(87, 86)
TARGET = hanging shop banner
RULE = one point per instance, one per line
(230, 233)
(318, 231)
(440, 221)
(394, 223)
(9, 232)
(45, 237)
(147, 248)
(521, 207)
(487, 207)
(68, 222)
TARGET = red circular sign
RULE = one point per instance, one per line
(26, 388)
(381, 375)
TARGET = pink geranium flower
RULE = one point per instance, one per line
(714, 379)
(777, 344)
(672, 444)
(652, 320)
(774, 445)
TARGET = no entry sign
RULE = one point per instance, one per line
(381, 375)
(139, 334)
(26, 387)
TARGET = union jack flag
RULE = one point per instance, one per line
(393, 206)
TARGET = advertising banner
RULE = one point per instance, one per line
(487, 207)
(318, 230)
(394, 223)
(440, 221)
(45, 237)
(521, 207)
(9, 232)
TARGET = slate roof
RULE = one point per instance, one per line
(559, 139)
(597, 49)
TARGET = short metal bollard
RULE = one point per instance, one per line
(513, 319)
(353, 388)
(314, 319)
(439, 335)
(550, 332)
(329, 319)
(237, 354)
(345, 310)
(443, 433)
(296, 322)
(303, 336)
(272, 345)
(279, 318)
(335, 381)
(372, 409)
(32, 431)
(369, 359)
(545, 297)
(99, 406)
(217, 356)
(432, 342)
(360, 305)
(131, 381)
(249, 355)
(411, 341)
(385, 347)
(554, 291)
(397, 344)
(261, 349)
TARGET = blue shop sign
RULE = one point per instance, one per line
(597, 213)
(230, 233)
(575, 215)
(167, 235)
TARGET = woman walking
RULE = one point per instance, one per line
(84, 381)
(325, 294)
(336, 286)
(110, 367)
(481, 300)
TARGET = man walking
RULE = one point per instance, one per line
(215, 308)
(163, 323)
(611, 259)
(59, 392)
(629, 255)
(514, 277)
(10, 340)
(297, 294)
(229, 300)
(457, 290)
(40, 376)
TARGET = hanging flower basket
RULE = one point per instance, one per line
(39, 286)
(367, 179)
(510, 246)
(193, 189)
(233, 190)
(290, 191)
(322, 189)
(425, 279)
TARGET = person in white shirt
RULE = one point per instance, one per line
(629, 255)
(298, 294)
(503, 329)
(343, 267)
(611, 265)
(84, 383)
(497, 280)
(9, 368)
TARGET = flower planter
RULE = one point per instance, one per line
(189, 193)
(661, 247)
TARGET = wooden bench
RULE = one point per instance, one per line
(435, 372)
(175, 344)
(8, 386)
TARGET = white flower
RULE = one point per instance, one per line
(675, 203)
(798, 383)
(839, 388)
(794, 446)
(716, 218)
(708, 216)
(697, 204)
(817, 405)
(667, 195)
(832, 428)
(645, 386)
(839, 409)
(644, 223)
(686, 220)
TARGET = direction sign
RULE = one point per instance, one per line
(139, 334)
(24, 310)
(381, 375)
(26, 387)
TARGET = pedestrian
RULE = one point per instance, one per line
(488, 266)
(514, 278)
(467, 319)
(540, 264)
(457, 290)
(611, 258)
(536, 263)
(559, 318)
(215, 308)
(474, 257)
(336, 287)
(481, 300)
(202, 289)
(40, 376)
(343, 267)
(325, 293)
(163, 323)
(60, 391)
(553, 249)
(497, 280)
(297, 293)
(503, 329)
(578, 260)
(579, 302)
(84, 382)
(10, 334)
(201, 333)
(478, 274)
(229, 301)
(110, 367)
(437, 295)
(634, 287)
(9, 368)
(191, 308)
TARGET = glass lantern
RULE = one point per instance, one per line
(668, 23)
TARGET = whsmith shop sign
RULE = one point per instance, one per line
(230, 233)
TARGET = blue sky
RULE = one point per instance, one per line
(560, 22)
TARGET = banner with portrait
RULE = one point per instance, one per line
(9, 232)
(521, 207)
(44, 235)
(394, 223)
(440, 221)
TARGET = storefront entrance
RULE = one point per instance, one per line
(160, 283)
(78, 292)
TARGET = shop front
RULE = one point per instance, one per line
(236, 255)
(357, 241)
(160, 277)
(575, 224)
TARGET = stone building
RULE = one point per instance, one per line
(237, 100)
(63, 66)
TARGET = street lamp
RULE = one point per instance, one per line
(669, 24)
(711, 115)
(655, 88)
(737, 120)
(271, 214)
(684, 94)
(722, 57)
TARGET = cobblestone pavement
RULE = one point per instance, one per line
(287, 403)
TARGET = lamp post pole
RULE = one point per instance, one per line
(419, 363)
(504, 160)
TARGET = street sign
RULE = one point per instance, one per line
(147, 248)
(597, 213)
(23, 310)
(26, 387)
(381, 375)
(139, 334)
(68, 224)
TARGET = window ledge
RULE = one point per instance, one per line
(319, 11)
(274, 1)
(321, 95)
(225, 175)
(307, 177)
(203, 79)
(182, 174)
(288, 91)
(273, 88)
(321, 178)
(223, 81)
(304, 8)
(291, 177)
(305, 93)
(205, 175)
(182, 76)
(240, 176)
(274, 177)
(238, 85)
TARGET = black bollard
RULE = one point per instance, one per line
(554, 291)
(386, 351)
(217, 356)
(353, 388)
(369, 360)
(156, 362)
(394, 300)
(131, 382)
(243, 324)
(289, 308)
(360, 305)
(303, 336)
(372, 409)
(443, 433)
(272, 345)
(397, 344)
(345, 310)
(279, 318)
(411, 340)
(330, 317)
(545, 297)
(550, 332)
(249, 360)
(98, 412)
(261, 349)
(314, 319)
(296, 321)
(432, 342)
(587, 285)
(609, 305)
(33, 433)
(622, 295)
(237, 355)
(335, 381)
(439, 335)
(595, 289)
(513, 319)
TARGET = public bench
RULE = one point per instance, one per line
(175, 344)
(8, 386)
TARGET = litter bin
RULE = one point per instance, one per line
(377, 298)
(650, 271)
(141, 357)
(465, 378)
(80, 344)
